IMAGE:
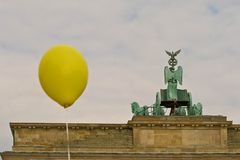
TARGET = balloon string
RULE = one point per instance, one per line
(68, 148)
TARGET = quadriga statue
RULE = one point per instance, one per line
(139, 111)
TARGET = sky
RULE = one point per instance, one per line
(123, 43)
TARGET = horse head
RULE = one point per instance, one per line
(134, 106)
(199, 108)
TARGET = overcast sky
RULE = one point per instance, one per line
(123, 42)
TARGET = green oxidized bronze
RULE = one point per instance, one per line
(178, 100)
(157, 108)
(139, 111)
(195, 110)
(172, 77)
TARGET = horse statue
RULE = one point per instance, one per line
(139, 111)
(195, 110)
(157, 109)
(180, 111)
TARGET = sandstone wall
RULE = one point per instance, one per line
(143, 137)
(234, 138)
(53, 137)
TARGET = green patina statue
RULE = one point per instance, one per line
(180, 111)
(178, 100)
(157, 108)
(195, 110)
(172, 77)
(139, 111)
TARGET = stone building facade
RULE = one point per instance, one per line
(142, 138)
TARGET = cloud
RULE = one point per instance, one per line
(124, 43)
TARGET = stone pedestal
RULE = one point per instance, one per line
(180, 134)
(143, 137)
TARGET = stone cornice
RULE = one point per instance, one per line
(139, 155)
(235, 127)
(180, 121)
(16, 125)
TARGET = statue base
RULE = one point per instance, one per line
(180, 133)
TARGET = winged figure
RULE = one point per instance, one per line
(172, 78)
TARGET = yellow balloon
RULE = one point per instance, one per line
(63, 74)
